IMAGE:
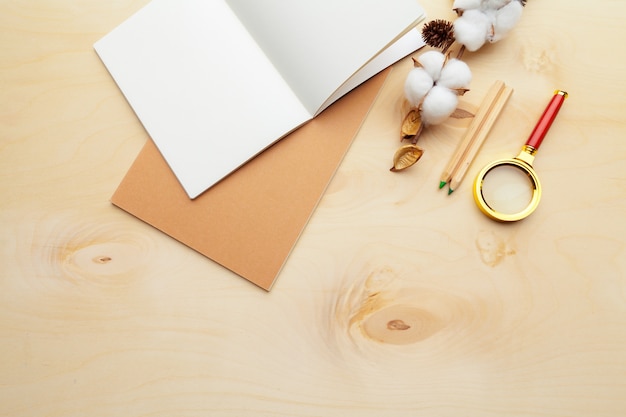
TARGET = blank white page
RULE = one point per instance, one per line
(317, 45)
(206, 94)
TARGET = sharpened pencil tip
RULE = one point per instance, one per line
(442, 184)
(450, 191)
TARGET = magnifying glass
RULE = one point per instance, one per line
(508, 190)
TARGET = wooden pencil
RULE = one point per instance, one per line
(484, 108)
(479, 138)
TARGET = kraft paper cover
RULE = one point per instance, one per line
(251, 220)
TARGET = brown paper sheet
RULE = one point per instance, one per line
(250, 221)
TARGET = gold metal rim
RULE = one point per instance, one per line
(503, 217)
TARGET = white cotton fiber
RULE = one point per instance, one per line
(495, 4)
(456, 74)
(438, 105)
(506, 19)
(432, 61)
(471, 29)
(418, 83)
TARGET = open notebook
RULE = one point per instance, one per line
(250, 222)
(215, 82)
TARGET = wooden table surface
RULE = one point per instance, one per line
(397, 300)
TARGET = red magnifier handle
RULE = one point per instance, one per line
(544, 123)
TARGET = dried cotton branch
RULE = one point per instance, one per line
(434, 85)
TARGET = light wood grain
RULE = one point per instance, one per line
(398, 300)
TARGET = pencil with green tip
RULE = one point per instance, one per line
(479, 138)
(465, 143)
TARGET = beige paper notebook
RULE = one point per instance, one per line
(191, 69)
(250, 221)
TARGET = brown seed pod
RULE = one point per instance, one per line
(405, 157)
(438, 34)
(411, 125)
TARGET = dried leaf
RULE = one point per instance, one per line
(460, 91)
(461, 114)
(405, 157)
(411, 125)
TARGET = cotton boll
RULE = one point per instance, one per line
(456, 74)
(471, 29)
(491, 15)
(506, 19)
(494, 4)
(432, 62)
(438, 105)
(466, 4)
(417, 85)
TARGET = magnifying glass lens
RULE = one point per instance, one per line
(507, 189)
